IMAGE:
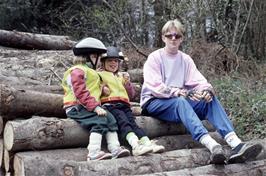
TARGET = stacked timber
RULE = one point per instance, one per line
(37, 133)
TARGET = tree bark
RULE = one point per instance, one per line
(23, 40)
(40, 133)
(248, 169)
(173, 142)
(1, 151)
(136, 75)
(25, 162)
(26, 103)
(1, 125)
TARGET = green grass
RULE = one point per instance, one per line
(245, 103)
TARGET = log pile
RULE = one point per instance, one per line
(38, 139)
(58, 144)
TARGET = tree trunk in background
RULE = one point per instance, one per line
(25, 40)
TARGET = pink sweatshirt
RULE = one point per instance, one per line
(165, 74)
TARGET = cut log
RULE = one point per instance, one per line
(1, 151)
(43, 133)
(185, 141)
(24, 163)
(26, 103)
(8, 161)
(1, 125)
(23, 40)
(174, 142)
(40, 133)
(17, 81)
(136, 75)
(252, 168)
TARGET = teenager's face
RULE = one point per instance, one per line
(111, 64)
(172, 40)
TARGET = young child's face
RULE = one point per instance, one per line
(111, 64)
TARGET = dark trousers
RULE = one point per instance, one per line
(125, 120)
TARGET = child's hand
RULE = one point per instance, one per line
(105, 90)
(100, 111)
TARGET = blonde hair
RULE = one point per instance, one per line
(79, 60)
(173, 24)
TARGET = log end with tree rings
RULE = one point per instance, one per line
(8, 136)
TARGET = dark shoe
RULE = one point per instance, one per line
(244, 152)
(218, 156)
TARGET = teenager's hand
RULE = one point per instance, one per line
(207, 95)
(100, 111)
(181, 92)
(194, 95)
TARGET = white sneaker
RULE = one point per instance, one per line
(156, 148)
(141, 150)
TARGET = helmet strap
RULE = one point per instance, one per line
(94, 65)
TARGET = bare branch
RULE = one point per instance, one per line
(116, 18)
(245, 27)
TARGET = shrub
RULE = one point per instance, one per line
(245, 103)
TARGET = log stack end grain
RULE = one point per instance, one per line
(8, 136)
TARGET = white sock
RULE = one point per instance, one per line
(95, 143)
(145, 141)
(112, 141)
(232, 139)
(132, 139)
(208, 142)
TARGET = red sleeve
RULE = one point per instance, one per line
(130, 90)
(80, 91)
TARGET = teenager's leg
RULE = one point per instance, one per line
(218, 117)
(180, 111)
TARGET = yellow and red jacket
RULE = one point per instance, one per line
(81, 85)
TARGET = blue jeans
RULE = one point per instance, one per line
(190, 113)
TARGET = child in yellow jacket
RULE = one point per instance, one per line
(116, 92)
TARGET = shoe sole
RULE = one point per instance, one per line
(104, 157)
(218, 159)
(122, 154)
(158, 151)
(250, 153)
(143, 152)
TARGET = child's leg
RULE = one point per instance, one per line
(94, 148)
(123, 124)
(114, 147)
(137, 147)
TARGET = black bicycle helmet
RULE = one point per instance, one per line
(112, 52)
